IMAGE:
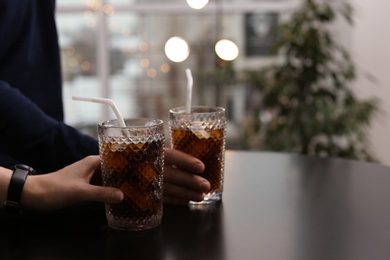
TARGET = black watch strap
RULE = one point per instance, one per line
(15, 188)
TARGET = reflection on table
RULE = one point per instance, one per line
(275, 206)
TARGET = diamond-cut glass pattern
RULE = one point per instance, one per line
(202, 134)
(134, 163)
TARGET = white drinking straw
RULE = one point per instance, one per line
(105, 101)
(190, 82)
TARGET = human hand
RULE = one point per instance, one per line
(181, 182)
(67, 186)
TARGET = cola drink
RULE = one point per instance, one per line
(133, 161)
(202, 134)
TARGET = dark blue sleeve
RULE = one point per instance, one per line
(31, 137)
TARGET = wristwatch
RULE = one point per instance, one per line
(15, 188)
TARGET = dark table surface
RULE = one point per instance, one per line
(275, 206)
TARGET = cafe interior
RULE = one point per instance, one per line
(136, 53)
(303, 89)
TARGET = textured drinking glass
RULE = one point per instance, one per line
(132, 159)
(202, 133)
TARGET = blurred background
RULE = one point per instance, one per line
(136, 53)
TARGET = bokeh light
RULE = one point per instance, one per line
(177, 49)
(144, 63)
(197, 4)
(108, 9)
(144, 46)
(226, 50)
(165, 68)
(152, 73)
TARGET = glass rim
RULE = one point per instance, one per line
(113, 123)
(197, 110)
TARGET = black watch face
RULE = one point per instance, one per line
(25, 167)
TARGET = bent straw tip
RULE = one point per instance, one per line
(81, 98)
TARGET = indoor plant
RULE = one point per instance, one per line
(307, 102)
